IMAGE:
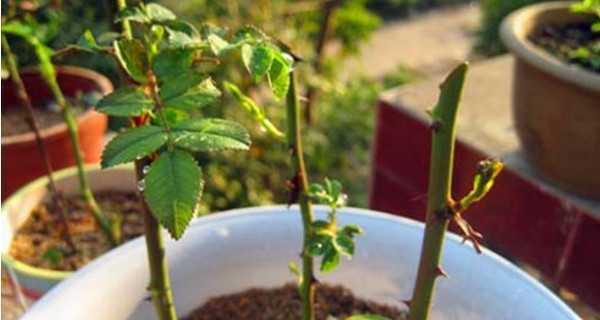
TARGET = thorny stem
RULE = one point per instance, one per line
(328, 9)
(32, 122)
(86, 191)
(300, 188)
(160, 283)
(439, 192)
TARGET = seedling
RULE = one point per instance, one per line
(161, 57)
(321, 238)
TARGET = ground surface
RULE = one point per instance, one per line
(429, 43)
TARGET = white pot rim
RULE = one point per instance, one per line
(514, 35)
(251, 212)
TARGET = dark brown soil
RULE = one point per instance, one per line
(13, 117)
(283, 303)
(39, 242)
(572, 43)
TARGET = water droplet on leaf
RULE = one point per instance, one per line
(141, 185)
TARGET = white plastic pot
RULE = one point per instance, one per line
(240, 249)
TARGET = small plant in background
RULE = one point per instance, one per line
(321, 238)
(588, 54)
(31, 32)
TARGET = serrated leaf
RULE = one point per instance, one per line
(132, 57)
(132, 144)
(173, 88)
(259, 61)
(331, 259)
(125, 102)
(211, 135)
(190, 93)
(278, 76)
(172, 62)
(158, 13)
(172, 190)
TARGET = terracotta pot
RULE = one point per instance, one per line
(17, 208)
(556, 105)
(21, 161)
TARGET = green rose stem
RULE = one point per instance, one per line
(160, 283)
(439, 192)
(49, 75)
(31, 121)
(300, 189)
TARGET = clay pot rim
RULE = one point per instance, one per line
(514, 35)
(102, 83)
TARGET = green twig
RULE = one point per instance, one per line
(300, 189)
(31, 121)
(439, 192)
(86, 190)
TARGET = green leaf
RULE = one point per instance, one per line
(278, 76)
(132, 144)
(125, 102)
(107, 38)
(318, 245)
(172, 190)
(293, 267)
(133, 58)
(367, 317)
(158, 13)
(88, 42)
(172, 63)
(344, 244)
(331, 259)
(53, 255)
(180, 39)
(133, 14)
(172, 117)
(182, 26)
(257, 60)
(351, 230)
(256, 111)
(211, 135)
(189, 93)
(19, 28)
(217, 44)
